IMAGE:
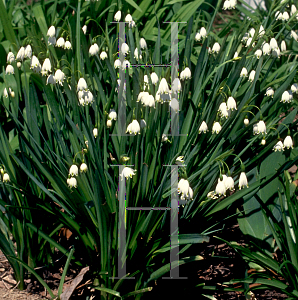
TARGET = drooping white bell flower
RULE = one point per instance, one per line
(227, 5)
(220, 188)
(126, 64)
(266, 49)
(203, 127)
(198, 37)
(35, 64)
(263, 142)
(269, 92)
(88, 98)
(233, 3)
(137, 54)
(143, 43)
(293, 9)
(215, 48)
(229, 183)
(112, 115)
(261, 127)
(95, 132)
(294, 35)
(288, 142)
(51, 31)
(164, 138)
(231, 104)
(246, 121)
(294, 88)
(84, 28)
(82, 85)
(179, 160)
(127, 173)
(6, 177)
(176, 85)
(117, 64)
(72, 182)
(74, 170)
(83, 168)
(109, 123)
(124, 48)
(28, 51)
(60, 42)
(261, 31)
(186, 74)
(255, 129)
(163, 87)
(149, 101)
(223, 109)
(59, 77)
(93, 50)
(216, 127)
(235, 55)
(278, 147)
(10, 57)
(67, 45)
(183, 188)
(5, 93)
(154, 78)
(285, 16)
(283, 46)
(248, 42)
(286, 97)
(273, 44)
(278, 15)
(203, 32)
(9, 70)
(258, 53)
(117, 16)
(21, 54)
(128, 18)
(243, 72)
(251, 76)
(134, 127)
(243, 181)
(245, 37)
(46, 67)
(103, 55)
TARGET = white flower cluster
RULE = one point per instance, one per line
(288, 143)
(60, 43)
(74, 171)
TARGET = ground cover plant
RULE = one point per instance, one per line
(115, 116)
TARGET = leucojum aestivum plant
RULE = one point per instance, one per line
(107, 133)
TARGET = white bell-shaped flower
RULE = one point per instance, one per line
(164, 138)
(269, 92)
(103, 55)
(294, 35)
(203, 32)
(220, 188)
(183, 188)
(273, 44)
(293, 9)
(288, 142)
(243, 181)
(126, 64)
(134, 127)
(10, 57)
(278, 147)
(187, 73)
(251, 76)
(154, 78)
(112, 114)
(83, 168)
(35, 64)
(266, 49)
(278, 15)
(95, 132)
(46, 67)
(294, 88)
(117, 16)
(258, 53)
(127, 173)
(124, 48)
(215, 48)
(223, 109)
(28, 51)
(198, 37)
(109, 123)
(261, 31)
(149, 101)
(261, 127)
(74, 170)
(6, 177)
(203, 127)
(216, 127)
(285, 16)
(67, 45)
(243, 72)
(21, 54)
(233, 3)
(176, 85)
(163, 87)
(5, 93)
(59, 76)
(229, 183)
(9, 70)
(84, 28)
(137, 54)
(60, 42)
(93, 50)
(227, 5)
(72, 182)
(286, 97)
(82, 85)
(143, 43)
(88, 98)
(283, 46)
(117, 64)
(231, 104)
(51, 31)
(255, 129)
